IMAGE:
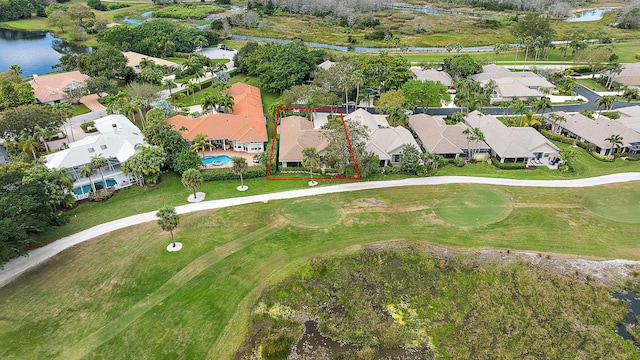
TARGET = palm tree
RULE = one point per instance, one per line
(99, 162)
(87, 171)
(210, 101)
(357, 78)
(65, 110)
(168, 220)
(556, 119)
(470, 136)
(42, 135)
(240, 167)
(528, 41)
(137, 105)
(226, 103)
(192, 179)
(346, 84)
(605, 102)
(518, 44)
(169, 84)
(478, 136)
(30, 144)
(201, 142)
(191, 88)
(16, 69)
(310, 159)
(616, 141)
(519, 107)
(542, 105)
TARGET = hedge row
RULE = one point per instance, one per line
(556, 137)
(606, 158)
(227, 174)
(507, 166)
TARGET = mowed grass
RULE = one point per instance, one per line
(123, 296)
(612, 204)
(464, 208)
(311, 212)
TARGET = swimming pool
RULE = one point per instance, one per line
(87, 188)
(218, 160)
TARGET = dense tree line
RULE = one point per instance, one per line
(28, 205)
(13, 91)
(522, 5)
(629, 16)
(19, 9)
(159, 38)
(340, 8)
(278, 66)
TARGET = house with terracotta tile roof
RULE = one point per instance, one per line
(244, 129)
(52, 89)
(580, 127)
(448, 141)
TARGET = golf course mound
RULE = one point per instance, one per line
(484, 206)
(411, 302)
(312, 212)
(614, 203)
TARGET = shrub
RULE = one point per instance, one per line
(186, 12)
(606, 158)
(556, 137)
(88, 127)
(459, 162)
(613, 115)
(226, 173)
(634, 158)
(507, 166)
(116, 6)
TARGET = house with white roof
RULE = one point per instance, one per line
(580, 127)
(385, 141)
(117, 140)
(448, 141)
(433, 75)
(629, 76)
(630, 117)
(513, 85)
(514, 144)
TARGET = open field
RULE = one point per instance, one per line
(123, 296)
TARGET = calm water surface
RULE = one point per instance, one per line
(35, 52)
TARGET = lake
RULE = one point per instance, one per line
(35, 52)
(590, 15)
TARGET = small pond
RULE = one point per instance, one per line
(137, 20)
(34, 51)
(425, 10)
(590, 15)
(633, 314)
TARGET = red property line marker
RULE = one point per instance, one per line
(273, 144)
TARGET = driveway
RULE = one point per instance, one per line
(18, 266)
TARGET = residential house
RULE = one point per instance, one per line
(582, 128)
(385, 141)
(629, 76)
(448, 141)
(244, 129)
(296, 134)
(434, 75)
(630, 117)
(326, 64)
(134, 59)
(513, 85)
(514, 144)
(117, 140)
(52, 89)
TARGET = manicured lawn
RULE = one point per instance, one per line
(464, 208)
(311, 212)
(80, 109)
(123, 296)
(591, 84)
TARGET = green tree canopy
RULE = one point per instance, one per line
(384, 71)
(105, 61)
(13, 91)
(23, 120)
(148, 162)
(281, 66)
(425, 93)
(192, 179)
(461, 66)
(168, 220)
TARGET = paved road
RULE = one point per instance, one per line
(17, 266)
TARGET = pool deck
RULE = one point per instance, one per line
(231, 154)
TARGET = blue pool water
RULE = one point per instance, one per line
(87, 188)
(216, 160)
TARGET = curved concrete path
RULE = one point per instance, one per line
(18, 266)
